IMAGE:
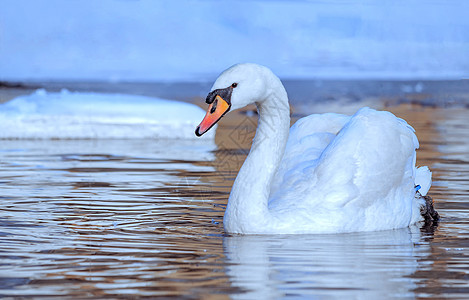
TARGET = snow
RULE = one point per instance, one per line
(68, 115)
(146, 40)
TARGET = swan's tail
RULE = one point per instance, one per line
(423, 178)
(423, 181)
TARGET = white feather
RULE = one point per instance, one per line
(424, 179)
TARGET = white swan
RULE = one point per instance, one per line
(329, 173)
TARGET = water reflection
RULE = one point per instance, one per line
(102, 217)
(373, 265)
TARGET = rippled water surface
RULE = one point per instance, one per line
(143, 218)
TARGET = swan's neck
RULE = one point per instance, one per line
(247, 210)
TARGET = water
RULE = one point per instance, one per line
(136, 218)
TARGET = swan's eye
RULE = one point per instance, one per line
(234, 85)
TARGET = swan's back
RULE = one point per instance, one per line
(342, 173)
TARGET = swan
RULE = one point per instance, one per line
(328, 173)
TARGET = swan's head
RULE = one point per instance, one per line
(236, 87)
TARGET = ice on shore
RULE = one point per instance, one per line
(67, 115)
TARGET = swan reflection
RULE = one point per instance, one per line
(358, 265)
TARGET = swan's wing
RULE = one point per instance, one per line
(371, 158)
(308, 138)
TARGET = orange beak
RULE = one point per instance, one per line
(217, 109)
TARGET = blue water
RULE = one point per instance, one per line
(136, 218)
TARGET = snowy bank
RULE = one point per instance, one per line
(68, 115)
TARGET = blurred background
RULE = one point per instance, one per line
(189, 40)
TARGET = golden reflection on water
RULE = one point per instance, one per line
(144, 218)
